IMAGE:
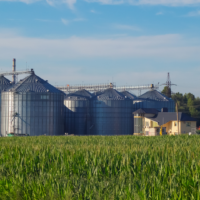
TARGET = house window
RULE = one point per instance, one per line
(188, 124)
(175, 123)
(147, 124)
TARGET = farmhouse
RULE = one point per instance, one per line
(150, 122)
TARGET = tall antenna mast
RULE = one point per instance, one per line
(169, 86)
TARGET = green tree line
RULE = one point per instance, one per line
(187, 103)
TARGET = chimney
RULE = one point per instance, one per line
(14, 69)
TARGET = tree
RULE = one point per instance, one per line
(178, 97)
(190, 96)
(191, 105)
(194, 112)
(187, 103)
(166, 91)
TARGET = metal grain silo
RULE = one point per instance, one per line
(4, 84)
(110, 114)
(154, 99)
(133, 98)
(33, 107)
(129, 95)
(76, 111)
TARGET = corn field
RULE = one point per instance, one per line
(97, 167)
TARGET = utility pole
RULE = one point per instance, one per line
(177, 116)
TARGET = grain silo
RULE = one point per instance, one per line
(33, 107)
(133, 98)
(76, 112)
(129, 95)
(154, 99)
(4, 84)
(110, 114)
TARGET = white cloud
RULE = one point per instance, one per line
(23, 1)
(50, 2)
(79, 19)
(108, 2)
(159, 13)
(46, 20)
(160, 46)
(165, 2)
(65, 21)
(73, 75)
(194, 13)
(49, 57)
(69, 3)
(95, 12)
(126, 27)
(149, 2)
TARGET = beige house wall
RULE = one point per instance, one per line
(183, 128)
(171, 129)
(151, 128)
(187, 129)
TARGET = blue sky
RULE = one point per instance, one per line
(129, 42)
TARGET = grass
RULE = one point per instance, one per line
(97, 167)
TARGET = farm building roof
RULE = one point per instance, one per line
(146, 111)
(164, 117)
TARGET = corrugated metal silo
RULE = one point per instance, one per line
(110, 114)
(4, 84)
(97, 93)
(129, 95)
(33, 107)
(133, 98)
(76, 112)
(154, 99)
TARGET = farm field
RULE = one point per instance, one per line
(97, 167)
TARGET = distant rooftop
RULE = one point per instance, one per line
(146, 111)
(164, 117)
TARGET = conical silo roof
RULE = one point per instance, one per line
(129, 95)
(154, 95)
(33, 83)
(111, 94)
(4, 83)
(97, 93)
(79, 95)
